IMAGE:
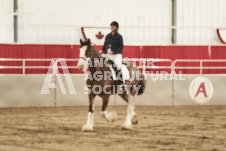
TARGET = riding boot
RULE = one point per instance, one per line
(121, 81)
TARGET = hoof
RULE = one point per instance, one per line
(127, 127)
(134, 119)
(112, 117)
(87, 128)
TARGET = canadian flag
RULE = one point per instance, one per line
(99, 35)
(95, 34)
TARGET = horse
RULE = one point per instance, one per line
(88, 52)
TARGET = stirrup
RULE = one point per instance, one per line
(120, 77)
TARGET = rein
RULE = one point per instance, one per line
(95, 51)
(92, 49)
(82, 58)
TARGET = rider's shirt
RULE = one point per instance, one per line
(113, 43)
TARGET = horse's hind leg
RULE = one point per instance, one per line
(90, 121)
(111, 116)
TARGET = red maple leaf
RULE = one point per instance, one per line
(99, 35)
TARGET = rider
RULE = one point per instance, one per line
(113, 46)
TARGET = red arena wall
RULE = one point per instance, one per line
(47, 51)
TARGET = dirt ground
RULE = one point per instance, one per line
(160, 128)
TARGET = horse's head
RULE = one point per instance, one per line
(86, 51)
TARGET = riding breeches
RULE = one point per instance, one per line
(116, 58)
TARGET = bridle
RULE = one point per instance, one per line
(82, 58)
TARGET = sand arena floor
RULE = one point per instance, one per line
(159, 128)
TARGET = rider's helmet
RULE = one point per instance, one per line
(114, 23)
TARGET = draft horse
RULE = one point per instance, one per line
(87, 51)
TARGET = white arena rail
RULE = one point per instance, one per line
(200, 61)
(144, 65)
(144, 62)
(23, 67)
(173, 65)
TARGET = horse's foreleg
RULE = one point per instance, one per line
(124, 96)
(130, 114)
(134, 119)
(111, 116)
(90, 120)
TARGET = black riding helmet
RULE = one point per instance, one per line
(114, 23)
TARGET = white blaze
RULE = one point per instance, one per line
(82, 52)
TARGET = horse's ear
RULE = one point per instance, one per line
(89, 42)
(81, 41)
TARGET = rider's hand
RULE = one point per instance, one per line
(111, 53)
(101, 51)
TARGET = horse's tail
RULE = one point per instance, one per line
(142, 84)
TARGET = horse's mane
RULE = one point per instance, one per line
(96, 52)
(110, 62)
